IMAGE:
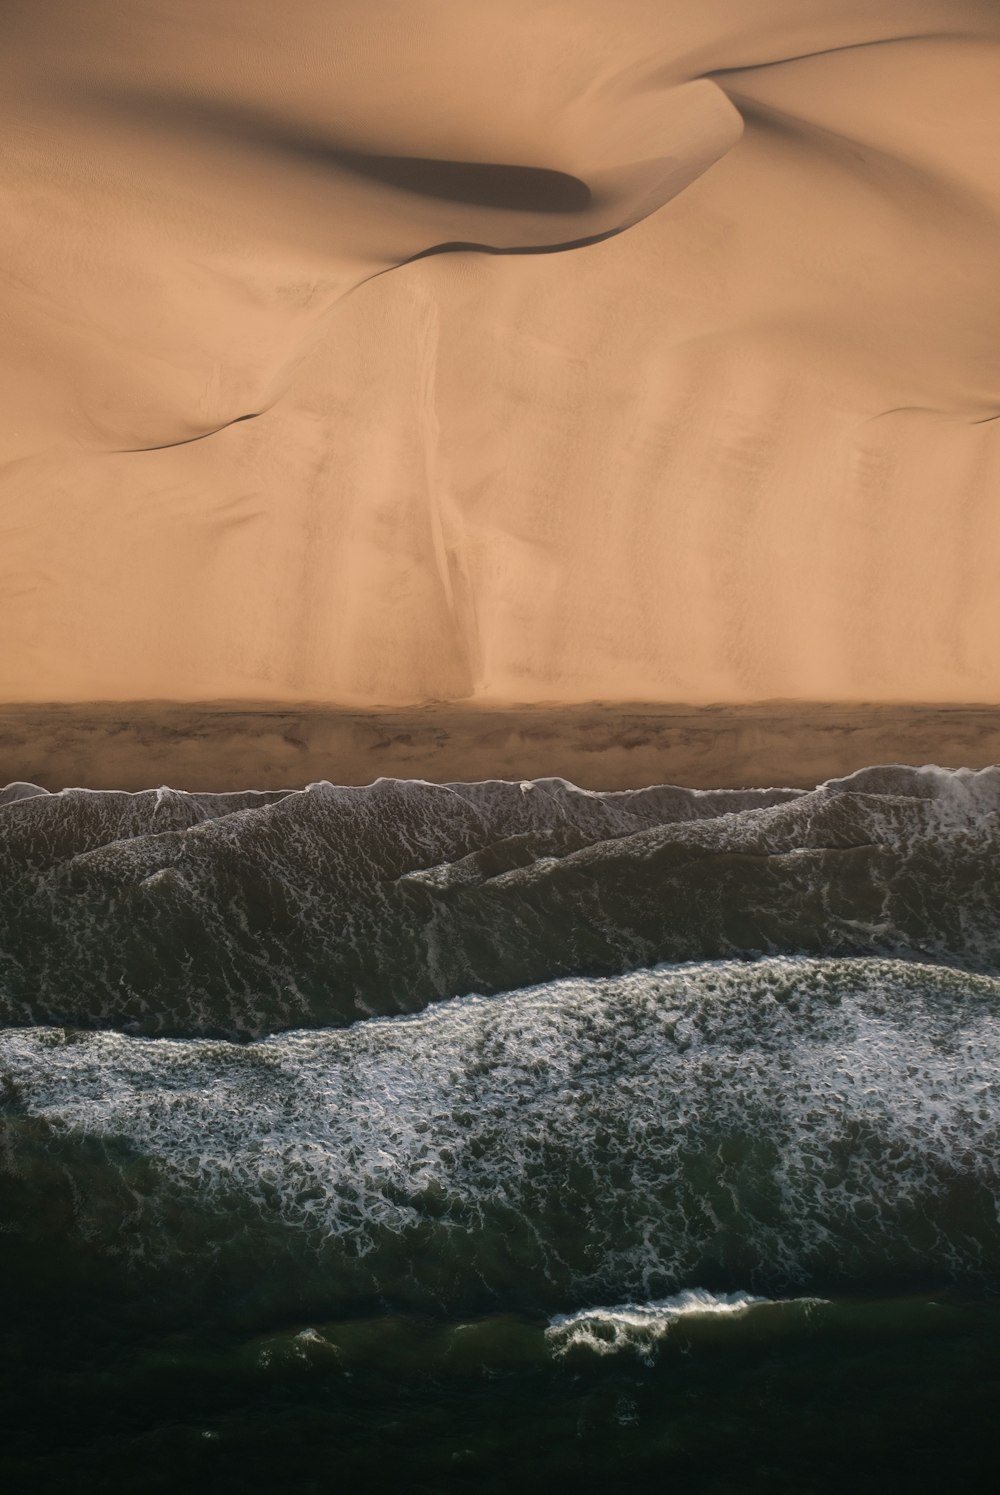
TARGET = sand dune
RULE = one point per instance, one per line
(295, 408)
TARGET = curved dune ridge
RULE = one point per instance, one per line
(741, 443)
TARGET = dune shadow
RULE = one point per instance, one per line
(478, 184)
(522, 189)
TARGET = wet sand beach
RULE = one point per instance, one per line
(220, 747)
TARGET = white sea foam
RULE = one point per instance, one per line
(774, 1120)
(641, 1327)
(163, 912)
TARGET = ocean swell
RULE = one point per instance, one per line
(237, 915)
(792, 1124)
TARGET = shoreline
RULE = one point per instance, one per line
(232, 746)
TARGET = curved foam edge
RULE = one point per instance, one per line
(640, 1326)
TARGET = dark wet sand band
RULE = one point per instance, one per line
(223, 746)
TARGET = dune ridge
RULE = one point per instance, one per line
(384, 355)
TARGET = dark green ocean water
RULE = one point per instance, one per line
(501, 1136)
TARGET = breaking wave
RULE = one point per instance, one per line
(404, 1119)
(789, 1124)
(238, 915)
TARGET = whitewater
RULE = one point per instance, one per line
(357, 1112)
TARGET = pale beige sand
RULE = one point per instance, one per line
(748, 448)
(226, 747)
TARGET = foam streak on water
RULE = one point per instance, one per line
(784, 1123)
(378, 1130)
(642, 1326)
(239, 915)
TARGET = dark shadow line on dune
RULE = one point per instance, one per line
(461, 246)
(451, 247)
(944, 415)
(164, 446)
(879, 41)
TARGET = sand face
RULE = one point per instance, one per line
(262, 442)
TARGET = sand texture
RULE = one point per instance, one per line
(289, 412)
(219, 748)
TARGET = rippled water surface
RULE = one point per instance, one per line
(426, 1137)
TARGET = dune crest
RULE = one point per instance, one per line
(300, 404)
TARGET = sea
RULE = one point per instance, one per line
(501, 1137)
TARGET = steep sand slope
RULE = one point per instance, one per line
(748, 447)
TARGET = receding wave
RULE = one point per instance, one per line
(785, 1125)
(238, 915)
